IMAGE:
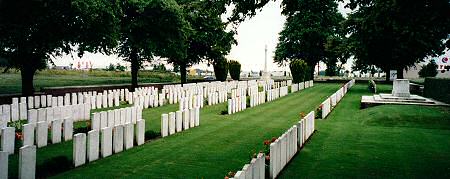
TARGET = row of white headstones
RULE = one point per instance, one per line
(43, 118)
(178, 121)
(284, 148)
(330, 103)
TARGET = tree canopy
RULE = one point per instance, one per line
(396, 34)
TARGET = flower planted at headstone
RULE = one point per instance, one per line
(319, 112)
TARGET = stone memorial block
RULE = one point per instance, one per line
(98, 101)
(111, 118)
(139, 112)
(400, 88)
(104, 100)
(30, 102)
(118, 138)
(239, 175)
(50, 115)
(6, 112)
(164, 125)
(116, 99)
(68, 129)
(229, 106)
(67, 99)
(140, 131)
(128, 135)
(27, 162)
(161, 99)
(103, 119)
(23, 99)
(41, 134)
(87, 111)
(95, 121)
(32, 116)
(128, 115)
(49, 99)
(23, 111)
(117, 117)
(8, 139)
(186, 119)
(93, 102)
(56, 131)
(28, 134)
(110, 100)
(123, 116)
(37, 102)
(14, 111)
(171, 123)
(197, 116)
(179, 121)
(54, 101)
(43, 101)
(106, 142)
(41, 115)
(60, 101)
(3, 165)
(74, 99)
(79, 149)
(133, 114)
(93, 145)
(192, 118)
(273, 167)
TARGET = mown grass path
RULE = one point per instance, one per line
(221, 143)
(389, 141)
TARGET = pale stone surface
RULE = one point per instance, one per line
(262, 166)
(103, 119)
(67, 99)
(41, 134)
(118, 138)
(239, 175)
(105, 100)
(133, 114)
(186, 119)
(23, 111)
(106, 142)
(248, 171)
(93, 145)
(57, 113)
(56, 131)
(400, 88)
(117, 117)
(171, 123)
(140, 132)
(32, 116)
(37, 102)
(87, 111)
(3, 165)
(179, 121)
(98, 101)
(68, 129)
(128, 115)
(30, 102)
(6, 112)
(79, 149)
(95, 121)
(192, 118)
(7, 139)
(14, 111)
(60, 101)
(123, 116)
(111, 119)
(41, 115)
(27, 162)
(273, 160)
(197, 116)
(49, 115)
(128, 135)
(28, 134)
(164, 125)
(54, 102)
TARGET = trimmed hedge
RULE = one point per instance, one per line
(221, 69)
(298, 70)
(235, 69)
(438, 89)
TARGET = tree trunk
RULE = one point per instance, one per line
(134, 69)
(388, 75)
(27, 73)
(183, 72)
(400, 73)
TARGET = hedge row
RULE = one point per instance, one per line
(438, 89)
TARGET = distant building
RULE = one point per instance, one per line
(443, 63)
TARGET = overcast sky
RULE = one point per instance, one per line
(253, 35)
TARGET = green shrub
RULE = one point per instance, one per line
(298, 70)
(438, 89)
(235, 69)
(429, 70)
(221, 69)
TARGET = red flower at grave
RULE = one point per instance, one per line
(266, 142)
(267, 157)
(302, 114)
(321, 106)
(274, 139)
(19, 136)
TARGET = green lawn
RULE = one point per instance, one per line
(220, 144)
(389, 141)
(11, 82)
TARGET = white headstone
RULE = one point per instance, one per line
(111, 119)
(28, 134)
(164, 125)
(93, 146)
(128, 135)
(41, 134)
(118, 138)
(140, 132)
(171, 123)
(23, 111)
(56, 131)
(27, 162)
(68, 129)
(3, 165)
(103, 119)
(79, 149)
(179, 121)
(186, 119)
(106, 142)
(8, 139)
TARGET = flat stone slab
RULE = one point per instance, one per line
(386, 99)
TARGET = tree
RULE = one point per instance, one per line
(111, 67)
(208, 39)
(309, 23)
(429, 70)
(396, 34)
(336, 49)
(235, 69)
(298, 70)
(33, 31)
(221, 69)
(151, 28)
